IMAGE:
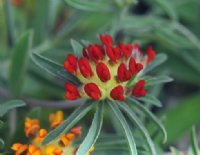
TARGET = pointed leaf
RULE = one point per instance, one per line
(159, 59)
(141, 127)
(19, 62)
(194, 142)
(150, 115)
(5, 107)
(149, 99)
(53, 68)
(1, 124)
(77, 48)
(93, 132)
(151, 81)
(125, 126)
(69, 122)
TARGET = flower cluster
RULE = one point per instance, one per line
(60, 146)
(105, 69)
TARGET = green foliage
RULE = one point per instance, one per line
(93, 132)
(194, 141)
(5, 107)
(170, 26)
(126, 128)
(19, 62)
(77, 47)
(141, 127)
(69, 122)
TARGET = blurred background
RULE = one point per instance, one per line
(46, 27)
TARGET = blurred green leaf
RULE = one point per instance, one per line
(141, 127)
(2, 144)
(19, 62)
(159, 59)
(53, 68)
(93, 132)
(5, 107)
(77, 48)
(194, 142)
(152, 81)
(125, 126)
(181, 117)
(1, 124)
(134, 103)
(89, 6)
(69, 122)
(167, 7)
(149, 99)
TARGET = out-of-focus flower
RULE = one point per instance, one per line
(105, 69)
(61, 146)
(31, 127)
(56, 119)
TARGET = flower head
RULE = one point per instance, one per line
(105, 69)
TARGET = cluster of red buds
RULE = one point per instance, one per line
(105, 69)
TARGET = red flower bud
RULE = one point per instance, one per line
(106, 39)
(123, 73)
(85, 67)
(95, 52)
(113, 53)
(134, 67)
(150, 54)
(70, 63)
(126, 49)
(72, 92)
(103, 72)
(93, 91)
(117, 93)
(139, 90)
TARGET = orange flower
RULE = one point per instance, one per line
(34, 150)
(19, 148)
(41, 135)
(56, 119)
(31, 127)
(52, 150)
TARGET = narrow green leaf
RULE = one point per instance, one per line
(77, 48)
(187, 110)
(5, 107)
(1, 124)
(152, 81)
(53, 68)
(125, 126)
(159, 59)
(150, 115)
(10, 24)
(2, 144)
(88, 5)
(93, 132)
(141, 127)
(19, 62)
(194, 142)
(168, 8)
(149, 99)
(69, 122)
